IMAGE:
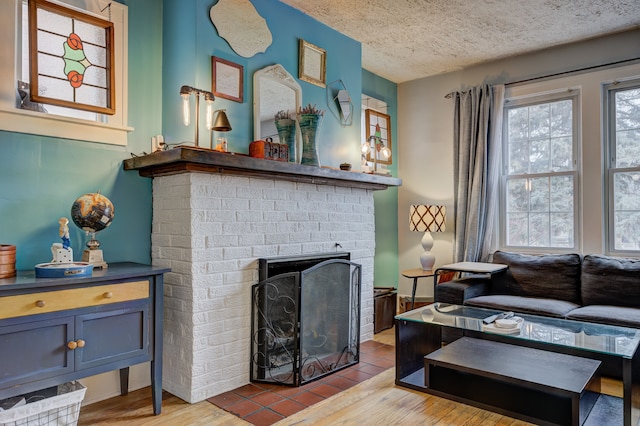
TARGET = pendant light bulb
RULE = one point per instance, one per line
(186, 119)
(209, 114)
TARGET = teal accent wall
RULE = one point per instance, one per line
(40, 177)
(188, 47)
(386, 202)
(171, 44)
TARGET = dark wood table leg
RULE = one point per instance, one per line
(124, 381)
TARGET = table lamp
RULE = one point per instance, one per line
(427, 219)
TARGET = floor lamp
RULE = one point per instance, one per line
(427, 219)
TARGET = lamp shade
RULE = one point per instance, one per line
(222, 122)
(424, 218)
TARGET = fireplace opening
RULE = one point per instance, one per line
(305, 320)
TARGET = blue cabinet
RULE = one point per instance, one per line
(56, 330)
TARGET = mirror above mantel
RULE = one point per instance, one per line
(274, 90)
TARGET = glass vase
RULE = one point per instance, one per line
(287, 133)
(309, 127)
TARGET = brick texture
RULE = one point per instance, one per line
(210, 230)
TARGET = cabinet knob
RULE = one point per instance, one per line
(40, 303)
(108, 295)
(77, 344)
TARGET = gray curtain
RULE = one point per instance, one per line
(477, 149)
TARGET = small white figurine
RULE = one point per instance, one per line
(62, 252)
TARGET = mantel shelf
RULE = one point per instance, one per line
(190, 159)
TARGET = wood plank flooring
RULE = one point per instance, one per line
(376, 401)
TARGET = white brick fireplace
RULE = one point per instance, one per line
(210, 229)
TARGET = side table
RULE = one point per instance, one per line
(416, 274)
(471, 267)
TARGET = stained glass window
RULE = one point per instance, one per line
(71, 58)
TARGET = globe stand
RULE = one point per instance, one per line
(93, 254)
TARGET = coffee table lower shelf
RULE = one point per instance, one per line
(533, 385)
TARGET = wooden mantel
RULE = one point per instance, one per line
(190, 159)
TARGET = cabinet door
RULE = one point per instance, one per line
(112, 336)
(35, 350)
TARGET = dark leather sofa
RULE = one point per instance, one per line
(591, 288)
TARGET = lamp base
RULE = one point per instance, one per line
(427, 260)
(95, 257)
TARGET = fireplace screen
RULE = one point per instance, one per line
(306, 324)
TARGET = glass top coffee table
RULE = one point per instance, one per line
(419, 332)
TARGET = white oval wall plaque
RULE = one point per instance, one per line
(240, 24)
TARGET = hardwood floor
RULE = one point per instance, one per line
(376, 401)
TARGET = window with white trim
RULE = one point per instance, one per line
(622, 133)
(539, 195)
(51, 120)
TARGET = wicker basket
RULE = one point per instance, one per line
(62, 409)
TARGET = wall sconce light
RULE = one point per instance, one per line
(221, 123)
(427, 219)
(378, 146)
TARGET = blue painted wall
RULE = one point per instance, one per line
(40, 177)
(170, 44)
(386, 202)
(188, 48)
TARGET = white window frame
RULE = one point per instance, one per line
(572, 94)
(114, 131)
(609, 90)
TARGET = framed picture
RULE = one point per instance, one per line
(378, 125)
(227, 79)
(312, 64)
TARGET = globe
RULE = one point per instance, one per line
(92, 212)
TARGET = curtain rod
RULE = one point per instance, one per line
(576, 71)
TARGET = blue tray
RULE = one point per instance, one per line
(64, 270)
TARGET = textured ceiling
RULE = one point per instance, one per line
(404, 40)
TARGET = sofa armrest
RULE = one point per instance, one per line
(457, 291)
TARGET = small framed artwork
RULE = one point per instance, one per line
(312, 64)
(227, 79)
(378, 126)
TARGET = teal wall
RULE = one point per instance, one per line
(386, 202)
(188, 49)
(171, 44)
(40, 177)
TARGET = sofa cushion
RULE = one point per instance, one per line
(604, 314)
(524, 305)
(549, 276)
(608, 280)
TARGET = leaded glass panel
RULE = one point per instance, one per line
(71, 58)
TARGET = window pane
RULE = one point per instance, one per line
(539, 121)
(518, 157)
(561, 122)
(518, 123)
(561, 229)
(539, 230)
(626, 235)
(539, 202)
(539, 156)
(517, 196)
(561, 196)
(628, 109)
(626, 184)
(628, 148)
(517, 229)
(539, 195)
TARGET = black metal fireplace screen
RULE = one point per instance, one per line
(306, 324)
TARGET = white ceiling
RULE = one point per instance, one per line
(404, 40)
